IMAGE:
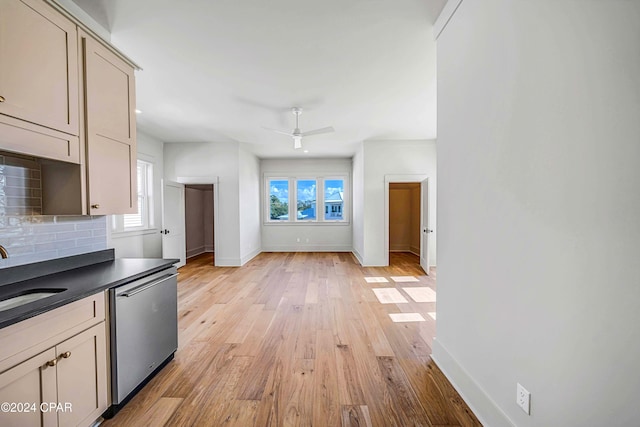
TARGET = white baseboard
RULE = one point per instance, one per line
(398, 248)
(245, 259)
(227, 262)
(487, 411)
(209, 248)
(414, 250)
(195, 252)
(307, 248)
(357, 255)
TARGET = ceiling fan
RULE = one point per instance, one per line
(296, 134)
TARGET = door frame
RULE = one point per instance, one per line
(396, 178)
(209, 179)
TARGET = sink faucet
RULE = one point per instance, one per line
(3, 252)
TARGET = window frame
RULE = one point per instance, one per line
(268, 199)
(293, 179)
(148, 226)
(295, 207)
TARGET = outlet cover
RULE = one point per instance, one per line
(523, 399)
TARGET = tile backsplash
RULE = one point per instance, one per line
(30, 236)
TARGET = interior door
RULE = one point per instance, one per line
(173, 233)
(424, 225)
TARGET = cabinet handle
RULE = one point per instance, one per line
(52, 362)
(1, 98)
(66, 355)
(96, 206)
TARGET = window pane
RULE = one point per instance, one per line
(333, 199)
(306, 199)
(278, 200)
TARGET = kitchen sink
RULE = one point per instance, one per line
(27, 297)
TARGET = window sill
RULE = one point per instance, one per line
(123, 234)
(312, 223)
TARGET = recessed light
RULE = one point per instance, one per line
(306, 151)
(138, 111)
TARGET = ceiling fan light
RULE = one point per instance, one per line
(297, 142)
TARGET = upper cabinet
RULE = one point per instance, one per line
(110, 130)
(38, 71)
(68, 98)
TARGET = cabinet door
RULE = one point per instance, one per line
(82, 376)
(110, 131)
(30, 383)
(39, 72)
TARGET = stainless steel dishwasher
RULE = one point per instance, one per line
(144, 332)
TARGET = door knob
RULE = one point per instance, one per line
(165, 231)
(1, 98)
(96, 206)
(66, 355)
(426, 230)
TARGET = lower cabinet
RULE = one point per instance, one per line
(62, 386)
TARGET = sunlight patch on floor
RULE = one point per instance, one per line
(404, 279)
(421, 294)
(389, 296)
(406, 317)
(376, 280)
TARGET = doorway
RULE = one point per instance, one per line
(174, 218)
(404, 225)
(199, 222)
(425, 249)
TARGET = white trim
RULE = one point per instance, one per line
(358, 256)
(445, 16)
(307, 248)
(245, 259)
(484, 408)
(227, 262)
(418, 178)
(208, 179)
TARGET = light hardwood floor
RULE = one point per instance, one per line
(298, 339)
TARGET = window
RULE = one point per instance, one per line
(333, 199)
(312, 199)
(278, 199)
(143, 219)
(306, 199)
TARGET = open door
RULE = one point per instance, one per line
(424, 225)
(173, 234)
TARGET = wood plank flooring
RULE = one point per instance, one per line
(298, 339)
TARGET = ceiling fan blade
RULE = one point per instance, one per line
(319, 131)
(278, 131)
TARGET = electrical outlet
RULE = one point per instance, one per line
(523, 399)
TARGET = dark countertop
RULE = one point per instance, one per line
(78, 282)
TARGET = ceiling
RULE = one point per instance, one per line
(222, 70)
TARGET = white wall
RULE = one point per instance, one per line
(149, 244)
(321, 237)
(249, 179)
(390, 158)
(219, 159)
(357, 185)
(538, 205)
